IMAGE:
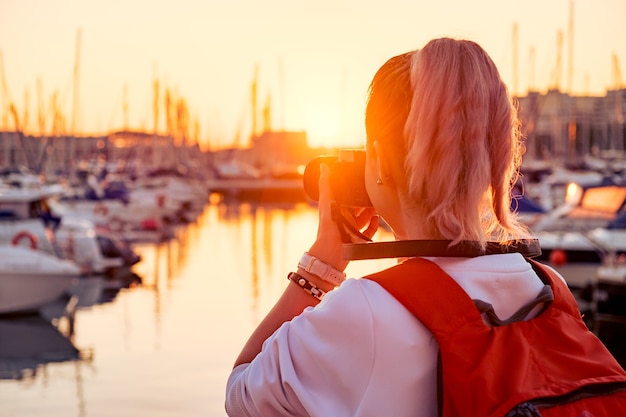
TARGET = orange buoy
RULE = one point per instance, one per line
(557, 257)
(24, 234)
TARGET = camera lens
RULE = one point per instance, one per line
(347, 178)
(311, 175)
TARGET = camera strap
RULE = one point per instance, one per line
(343, 224)
(465, 249)
(529, 248)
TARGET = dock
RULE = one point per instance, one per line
(261, 189)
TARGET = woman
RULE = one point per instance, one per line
(443, 150)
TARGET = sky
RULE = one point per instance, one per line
(94, 63)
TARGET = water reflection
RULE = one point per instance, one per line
(266, 236)
(270, 238)
(165, 347)
(28, 343)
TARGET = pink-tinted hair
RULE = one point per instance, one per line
(446, 115)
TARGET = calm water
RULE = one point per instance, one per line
(166, 348)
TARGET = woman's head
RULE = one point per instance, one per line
(442, 124)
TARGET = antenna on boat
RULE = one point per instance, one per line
(559, 58)
(76, 79)
(155, 102)
(570, 48)
(6, 99)
(617, 73)
(253, 99)
(531, 73)
(515, 78)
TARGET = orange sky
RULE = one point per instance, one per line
(315, 58)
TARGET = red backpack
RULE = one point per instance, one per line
(550, 365)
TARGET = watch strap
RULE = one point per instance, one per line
(321, 269)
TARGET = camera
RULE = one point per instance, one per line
(347, 178)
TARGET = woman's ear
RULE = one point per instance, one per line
(382, 164)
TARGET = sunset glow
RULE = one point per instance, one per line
(94, 64)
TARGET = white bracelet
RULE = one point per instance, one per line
(321, 269)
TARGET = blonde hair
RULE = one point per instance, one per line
(447, 116)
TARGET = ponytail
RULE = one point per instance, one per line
(460, 136)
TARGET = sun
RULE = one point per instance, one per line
(322, 125)
(327, 125)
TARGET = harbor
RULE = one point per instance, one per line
(135, 265)
(164, 346)
(164, 343)
(168, 271)
(152, 159)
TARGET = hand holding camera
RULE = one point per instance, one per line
(345, 207)
(347, 178)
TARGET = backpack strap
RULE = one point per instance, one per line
(544, 298)
(407, 282)
(403, 279)
(564, 299)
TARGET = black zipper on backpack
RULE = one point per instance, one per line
(579, 394)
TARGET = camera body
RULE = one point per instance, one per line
(347, 178)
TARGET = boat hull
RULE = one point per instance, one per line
(22, 293)
(29, 279)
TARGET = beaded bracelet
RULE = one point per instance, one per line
(307, 285)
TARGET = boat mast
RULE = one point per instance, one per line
(76, 82)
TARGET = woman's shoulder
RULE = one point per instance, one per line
(357, 297)
(360, 290)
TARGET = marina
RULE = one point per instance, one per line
(172, 256)
(135, 264)
(164, 347)
(151, 175)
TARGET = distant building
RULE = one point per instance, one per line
(124, 150)
(280, 152)
(567, 128)
(273, 153)
(52, 155)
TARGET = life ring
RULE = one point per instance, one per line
(27, 235)
(101, 209)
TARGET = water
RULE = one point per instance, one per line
(166, 348)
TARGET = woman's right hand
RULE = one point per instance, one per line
(328, 246)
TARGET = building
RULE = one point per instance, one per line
(58, 155)
(566, 128)
(273, 153)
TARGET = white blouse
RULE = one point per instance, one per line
(361, 353)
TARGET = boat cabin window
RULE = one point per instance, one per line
(25, 209)
(609, 199)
